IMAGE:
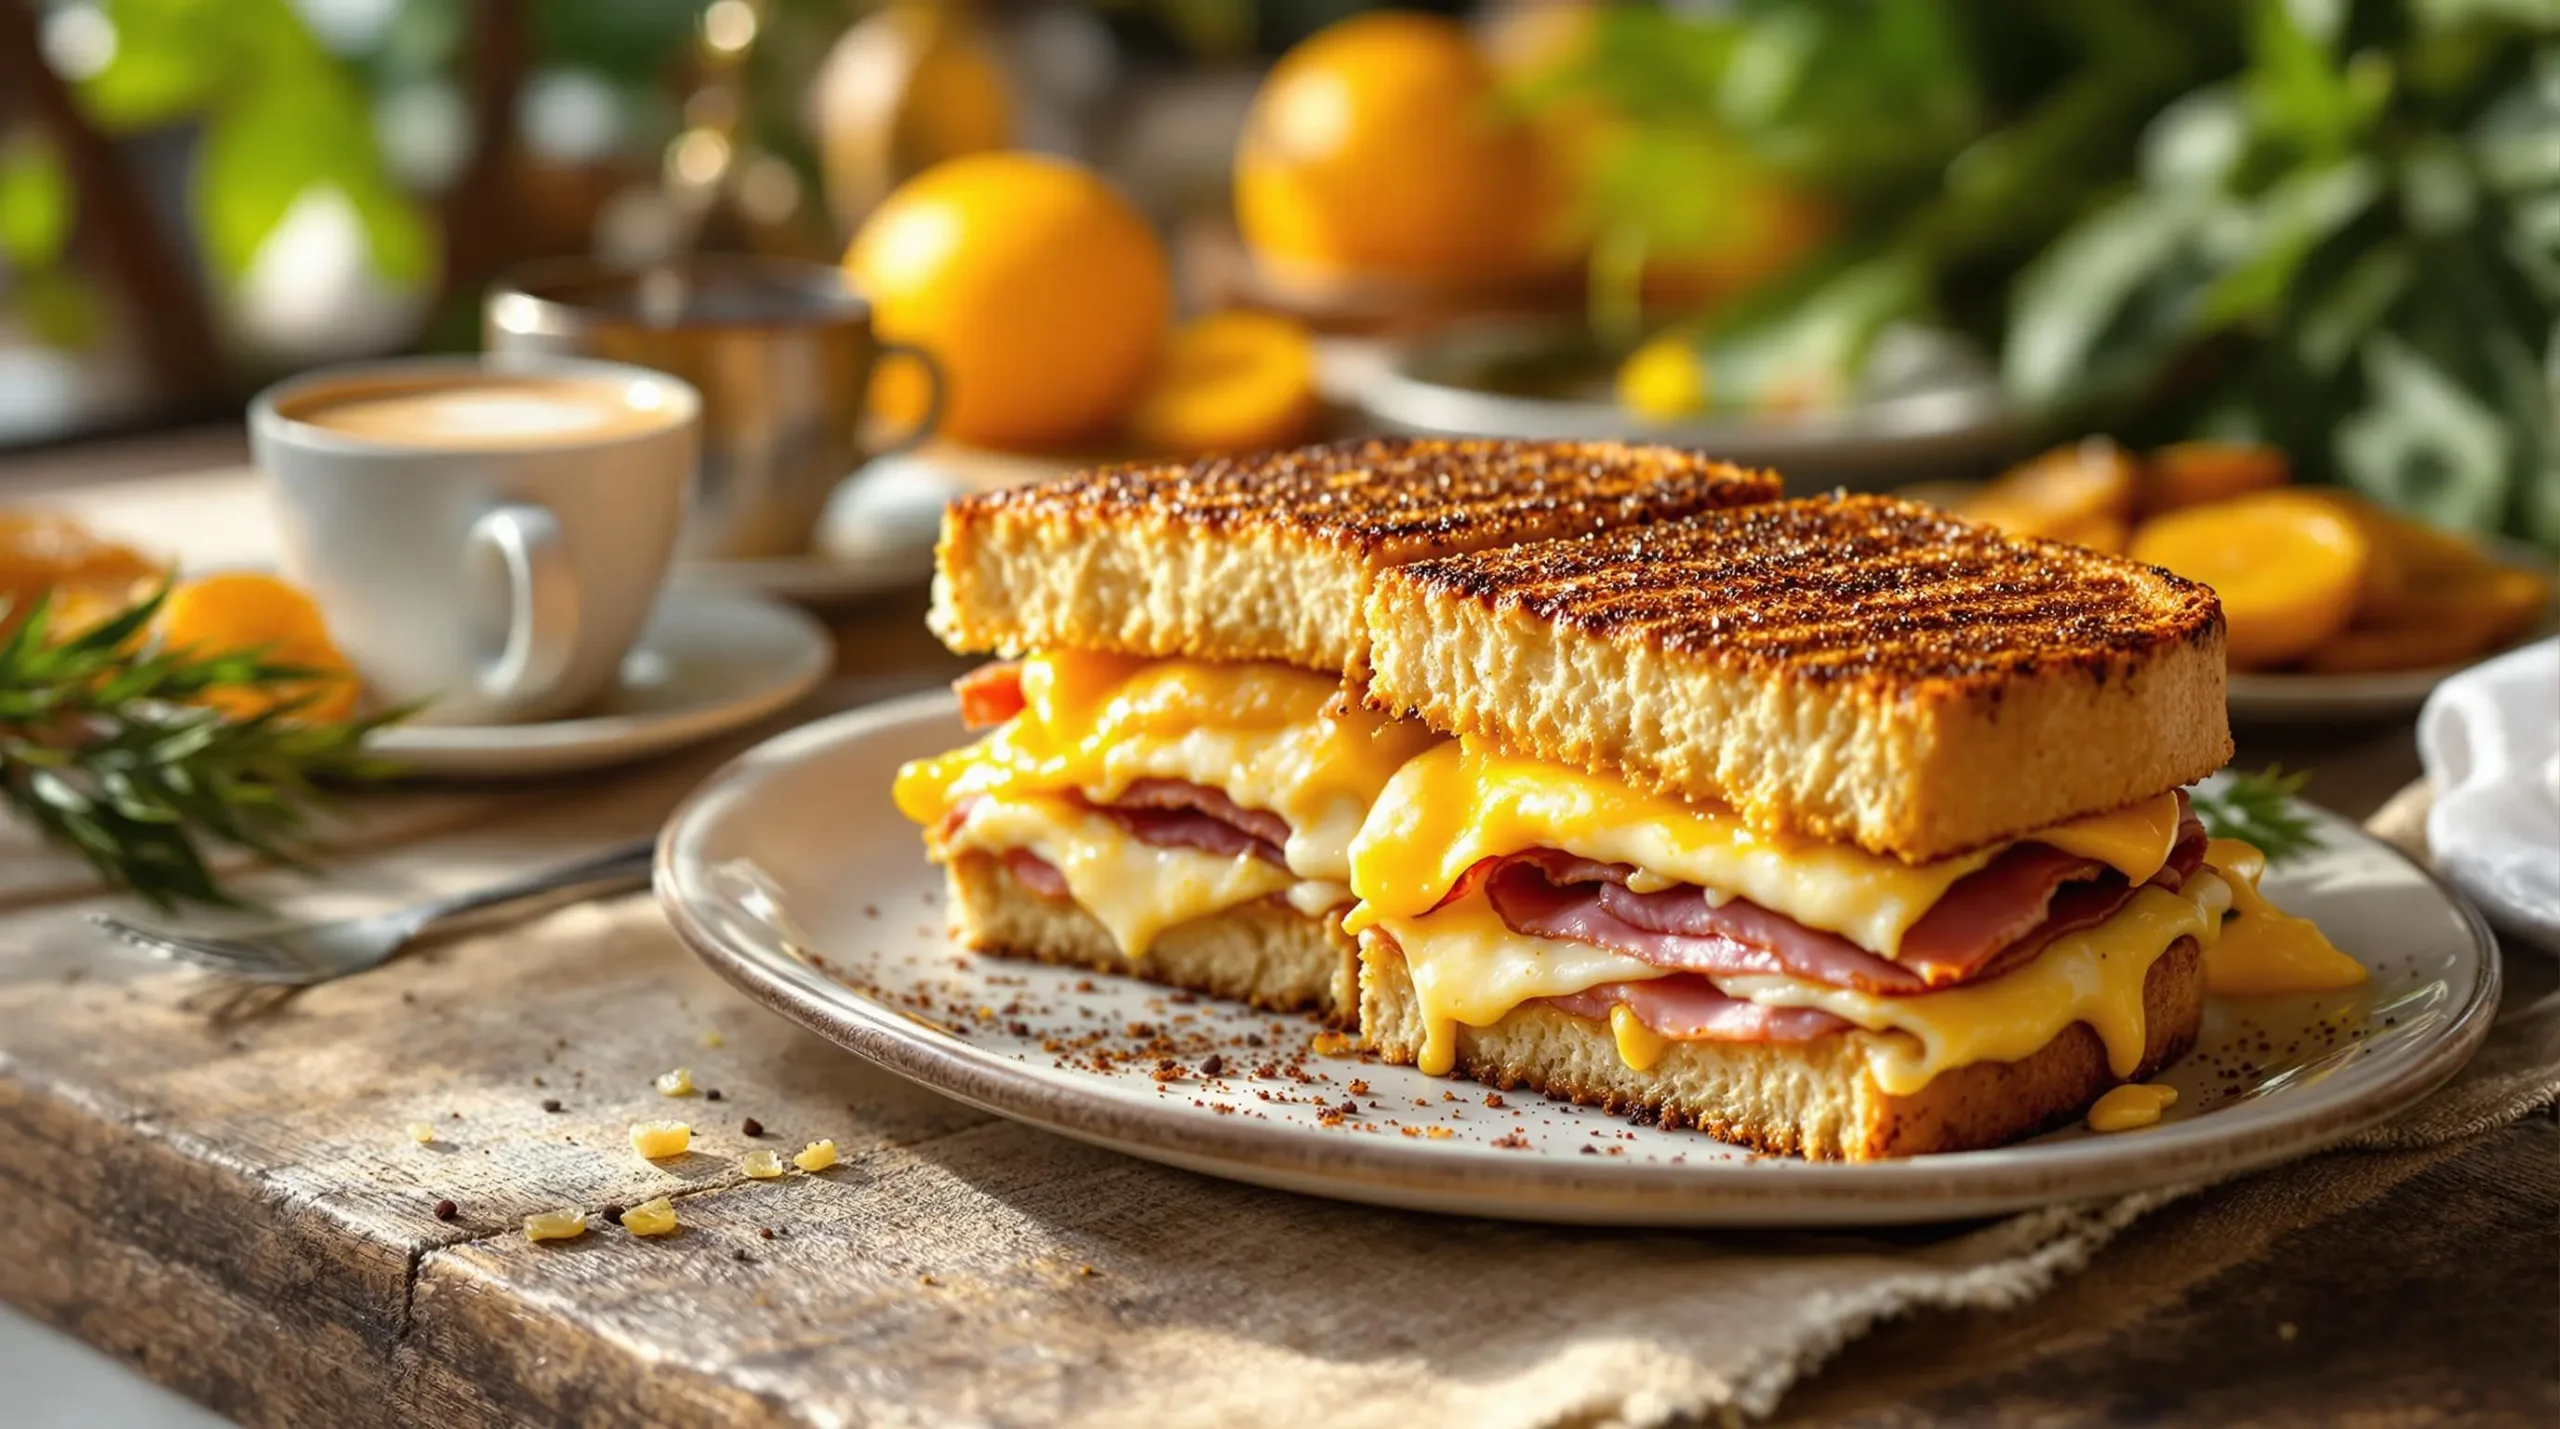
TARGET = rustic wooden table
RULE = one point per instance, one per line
(218, 1200)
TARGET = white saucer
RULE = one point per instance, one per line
(709, 662)
(793, 877)
(878, 531)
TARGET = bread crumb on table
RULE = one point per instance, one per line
(762, 1165)
(656, 1217)
(816, 1156)
(421, 1132)
(658, 1140)
(678, 1083)
(555, 1225)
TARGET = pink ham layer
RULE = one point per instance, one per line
(1168, 813)
(1991, 921)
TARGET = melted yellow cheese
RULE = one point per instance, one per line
(2093, 976)
(1460, 802)
(2131, 1106)
(1468, 967)
(1271, 737)
(2265, 951)
(1135, 889)
(1639, 1046)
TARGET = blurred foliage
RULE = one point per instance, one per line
(2331, 224)
(281, 115)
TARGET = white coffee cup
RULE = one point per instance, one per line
(486, 536)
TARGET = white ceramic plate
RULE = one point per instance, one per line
(2353, 699)
(878, 531)
(791, 874)
(708, 662)
(1938, 409)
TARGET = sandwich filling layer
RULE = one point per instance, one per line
(1504, 880)
(1155, 792)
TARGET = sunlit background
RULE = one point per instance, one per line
(2332, 226)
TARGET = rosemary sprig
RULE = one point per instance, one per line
(2259, 809)
(104, 750)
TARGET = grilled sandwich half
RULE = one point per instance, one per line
(1835, 827)
(1172, 775)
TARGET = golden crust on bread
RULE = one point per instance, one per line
(1814, 1099)
(1853, 668)
(1265, 953)
(1268, 556)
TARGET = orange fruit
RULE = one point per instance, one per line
(90, 577)
(235, 610)
(2192, 473)
(2287, 566)
(1376, 148)
(1041, 292)
(2086, 485)
(1230, 382)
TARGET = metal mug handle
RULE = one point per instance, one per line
(937, 388)
(541, 602)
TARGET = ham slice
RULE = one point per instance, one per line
(1688, 1008)
(990, 694)
(1200, 798)
(1175, 813)
(1037, 874)
(1990, 921)
(1679, 928)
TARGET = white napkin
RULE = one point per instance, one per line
(2490, 737)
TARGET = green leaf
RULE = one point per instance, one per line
(2334, 324)
(2260, 809)
(171, 59)
(62, 308)
(2078, 293)
(2301, 211)
(35, 204)
(305, 129)
(2425, 443)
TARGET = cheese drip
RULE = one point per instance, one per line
(2265, 951)
(1270, 737)
(1461, 802)
(2093, 976)
(1135, 889)
(1469, 969)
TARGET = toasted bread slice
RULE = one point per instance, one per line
(1265, 953)
(1847, 668)
(1268, 557)
(1812, 1099)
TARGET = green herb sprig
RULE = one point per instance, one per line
(2260, 809)
(106, 751)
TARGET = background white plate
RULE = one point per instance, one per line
(708, 662)
(792, 875)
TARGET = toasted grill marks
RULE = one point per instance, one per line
(1843, 588)
(1269, 557)
(1387, 494)
(1846, 668)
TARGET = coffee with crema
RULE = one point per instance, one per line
(488, 412)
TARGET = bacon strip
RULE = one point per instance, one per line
(1688, 1008)
(990, 694)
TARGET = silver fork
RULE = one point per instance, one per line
(298, 955)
